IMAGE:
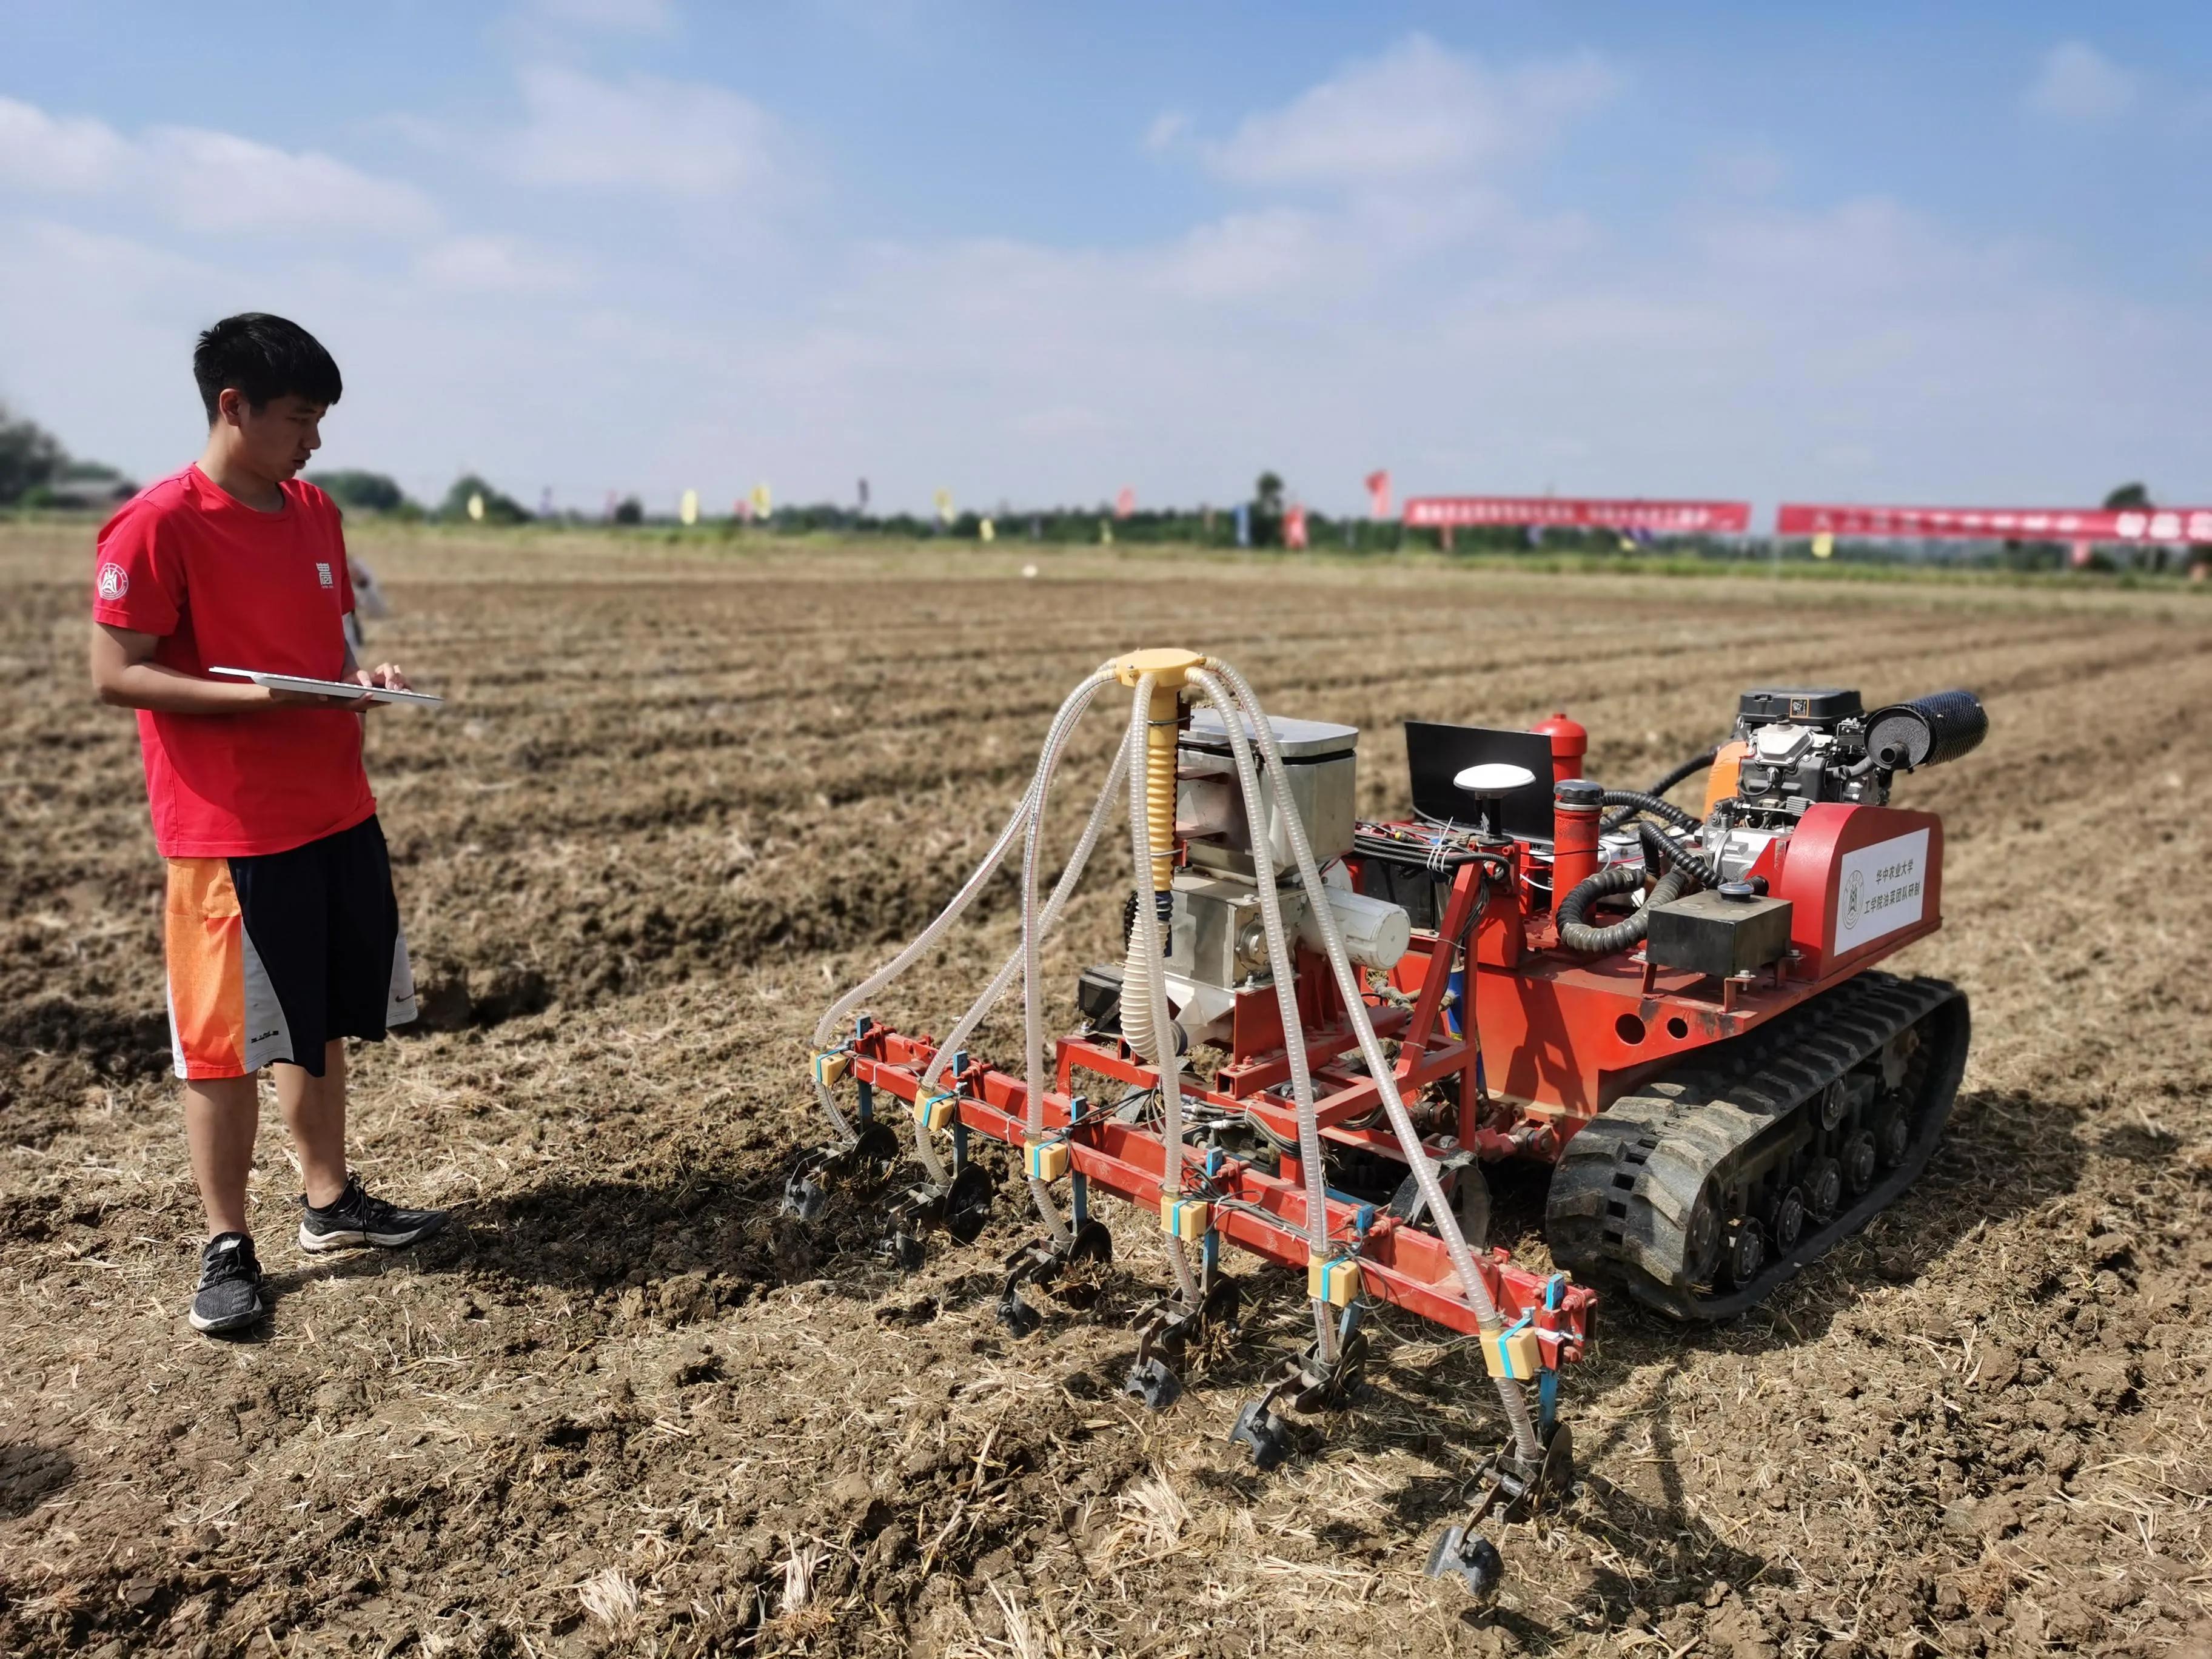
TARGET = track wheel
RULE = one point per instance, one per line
(1893, 1139)
(1824, 1187)
(1789, 1221)
(1835, 1101)
(1858, 1164)
(1747, 1251)
(1701, 1239)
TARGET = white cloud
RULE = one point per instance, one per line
(1167, 127)
(1420, 111)
(2080, 85)
(219, 181)
(1248, 254)
(202, 179)
(674, 137)
(39, 151)
(496, 265)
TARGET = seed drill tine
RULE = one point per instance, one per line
(865, 1092)
(959, 1129)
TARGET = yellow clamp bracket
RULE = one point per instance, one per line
(831, 1067)
(1187, 1218)
(1513, 1352)
(936, 1112)
(1333, 1279)
(1048, 1160)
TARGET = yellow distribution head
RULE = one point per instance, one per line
(1168, 666)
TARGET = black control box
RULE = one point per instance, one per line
(1708, 933)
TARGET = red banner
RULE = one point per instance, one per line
(2044, 524)
(1571, 512)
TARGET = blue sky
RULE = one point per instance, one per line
(1026, 252)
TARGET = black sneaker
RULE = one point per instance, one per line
(357, 1219)
(229, 1295)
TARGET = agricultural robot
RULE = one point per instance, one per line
(1677, 1010)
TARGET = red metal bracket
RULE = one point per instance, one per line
(1260, 1211)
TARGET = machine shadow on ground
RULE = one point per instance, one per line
(2000, 1154)
(30, 1473)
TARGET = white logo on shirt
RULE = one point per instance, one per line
(114, 582)
(324, 571)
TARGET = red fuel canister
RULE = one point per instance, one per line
(1570, 743)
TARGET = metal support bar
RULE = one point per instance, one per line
(1254, 1210)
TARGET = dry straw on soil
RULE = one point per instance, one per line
(625, 1408)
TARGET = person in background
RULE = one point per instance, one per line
(369, 601)
(283, 935)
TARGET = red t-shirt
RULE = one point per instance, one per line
(224, 584)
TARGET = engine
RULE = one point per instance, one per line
(1794, 747)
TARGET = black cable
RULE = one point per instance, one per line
(1576, 934)
(1614, 820)
(1633, 801)
(1661, 851)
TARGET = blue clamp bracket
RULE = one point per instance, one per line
(1547, 1380)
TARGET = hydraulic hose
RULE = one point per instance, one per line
(1660, 852)
(1474, 1287)
(1632, 801)
(1144, 983)
(920, 944)
(1279, 964)
(1697, 762)
(1576, 934)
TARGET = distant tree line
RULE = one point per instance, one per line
(36, 470)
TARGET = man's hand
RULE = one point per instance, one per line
(386, 676)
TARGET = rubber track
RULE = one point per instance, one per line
(1655, 1148)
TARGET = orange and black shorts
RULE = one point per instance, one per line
(272, 956)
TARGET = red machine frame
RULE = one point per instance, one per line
(1265, 1212)
(1574, 1034)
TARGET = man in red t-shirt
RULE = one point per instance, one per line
(282, 934)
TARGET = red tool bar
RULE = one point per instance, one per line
(1346, 1096)
(1260, 1211)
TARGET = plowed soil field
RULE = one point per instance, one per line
(678, 798)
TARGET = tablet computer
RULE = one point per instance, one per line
(351, 691)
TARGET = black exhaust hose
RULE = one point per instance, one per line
(1695, 763)
(1576, 934)
(1660, 852)
(1632, 801)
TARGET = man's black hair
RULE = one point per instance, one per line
(266, 357)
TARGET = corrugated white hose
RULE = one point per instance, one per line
(1032, 933)
(1146, 972)
(1476, 1289)
(1280, 965)
(922, 943)
(980, 1010)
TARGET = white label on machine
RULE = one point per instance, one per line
(1881, 888)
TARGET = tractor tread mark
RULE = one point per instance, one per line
(1627, 1184)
